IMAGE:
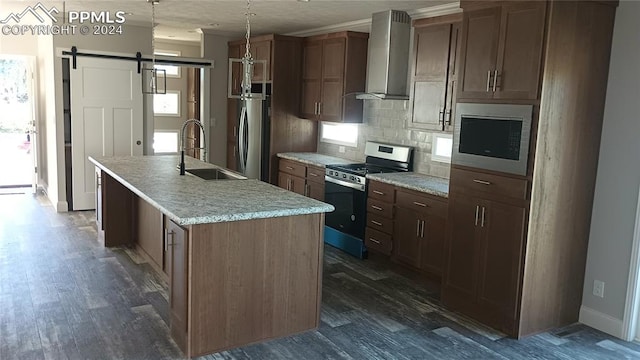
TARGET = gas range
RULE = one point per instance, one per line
(355, 173)
(345, 189)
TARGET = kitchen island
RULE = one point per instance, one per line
(243, 258)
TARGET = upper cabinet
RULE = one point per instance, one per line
(501, 51)
(333, 70)
(261, 49)
(434, 75)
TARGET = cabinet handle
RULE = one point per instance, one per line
(376, 223)
(420, 204)
(319, 108)
(489, 80)
(417, 228)
(422, 229)
(481, 182)
(378, 192)
(168, 243)
(477, 211)
(482, 223)
(315, 110)
(449, 117)
(374, 240)
(288, 168)
(376, 207)
(313, 174)
(441, 116)
(306, 189)
(495, 80)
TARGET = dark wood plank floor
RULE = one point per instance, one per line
(63, 296)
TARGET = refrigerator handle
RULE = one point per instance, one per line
(241, 140)
(246, 148)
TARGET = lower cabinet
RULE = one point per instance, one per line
(484, 254)
(302, 179)
(176, 243)
(420, 231)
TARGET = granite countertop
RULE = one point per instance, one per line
(428, 184)
(189, 200)
(315, 159)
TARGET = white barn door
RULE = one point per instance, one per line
(106, 119)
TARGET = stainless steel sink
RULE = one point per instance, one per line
(215, 174)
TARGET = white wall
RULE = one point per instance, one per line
(618, 179)
(214, 47)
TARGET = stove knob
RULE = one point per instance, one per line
(352, 178)
(358, 179)
(344, 176)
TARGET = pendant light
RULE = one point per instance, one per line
(154, 81)
(246, 65)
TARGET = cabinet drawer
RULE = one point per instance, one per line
(380, 223)
(489, 183)
(381, 191)
(292, 167)
(380, 208)
(378, 241)
(422, 203)
(315, 174)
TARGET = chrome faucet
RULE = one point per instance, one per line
(184, 141)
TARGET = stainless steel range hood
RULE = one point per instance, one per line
(388, 58)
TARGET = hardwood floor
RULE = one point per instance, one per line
(63, 296)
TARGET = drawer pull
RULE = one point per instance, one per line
(313, 174)
(289, 168)
(376, 208)
(420, 204)
(376, 223)
(374, 240)
(481, 182)
(378, 192)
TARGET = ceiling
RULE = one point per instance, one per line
(180, 19)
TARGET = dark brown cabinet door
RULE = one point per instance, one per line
(460, 277)
(481, 32)
(520, 53)
(431, 69)
(292, 183)
(261, 50)
(177, 242)
(407, 239)
(432, 249)
(232, 160)
(315, 190)
(311, 79)
(500, 262)
(452, 81)
(333, 66)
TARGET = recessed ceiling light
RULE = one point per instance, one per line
(171, 36)
(214, 24)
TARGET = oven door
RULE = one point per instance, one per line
(350, 201)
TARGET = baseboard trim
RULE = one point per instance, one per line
(601, 321)
(62, 206)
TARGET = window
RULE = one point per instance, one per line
(441, 148)
(165, 142)
(167, 104)
(340, 134)
(171, 71)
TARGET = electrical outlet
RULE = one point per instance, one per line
(598, 288)
(342, 149)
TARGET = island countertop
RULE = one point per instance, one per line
(189, 200)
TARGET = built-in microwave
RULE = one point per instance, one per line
(493, 137)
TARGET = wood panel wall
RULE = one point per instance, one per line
(571, 114)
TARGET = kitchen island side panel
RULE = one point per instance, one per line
(253, 280)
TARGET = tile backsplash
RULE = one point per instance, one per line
(386, 121)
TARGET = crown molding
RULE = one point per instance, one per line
(365, 24)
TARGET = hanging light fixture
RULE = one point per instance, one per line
(247, 64)
(154, 81)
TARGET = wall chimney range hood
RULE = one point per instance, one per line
(388, 57)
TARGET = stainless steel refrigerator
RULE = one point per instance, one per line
(252, 152)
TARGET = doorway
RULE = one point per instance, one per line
(17, 125)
